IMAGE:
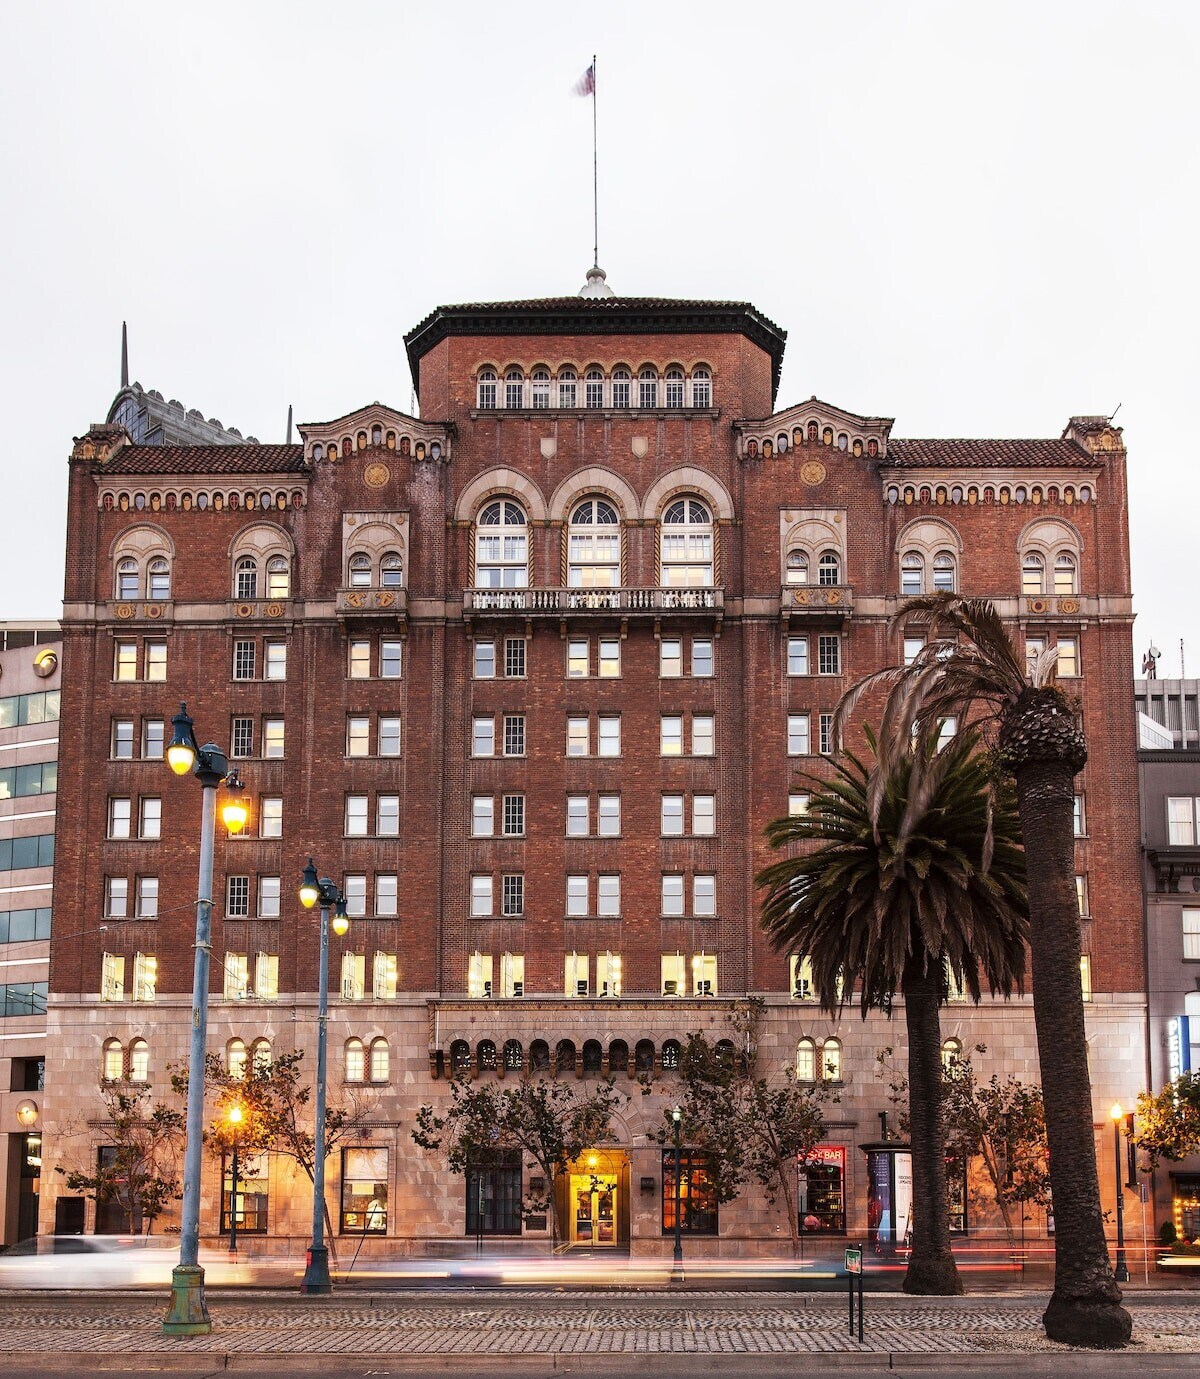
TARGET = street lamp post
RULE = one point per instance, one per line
(312, 890)
(187, 1314)
(234, 1116)
(1121, 1272)
(677, 1265)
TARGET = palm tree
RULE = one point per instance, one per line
(928, 883)
(969, 668)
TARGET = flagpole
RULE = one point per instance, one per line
(595, 176)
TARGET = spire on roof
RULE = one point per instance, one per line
(124, 355)
(289, 430)
(595, 285)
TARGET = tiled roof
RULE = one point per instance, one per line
(207, 459)
(987, 454)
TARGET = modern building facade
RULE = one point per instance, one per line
(528, 675)
(29, 705)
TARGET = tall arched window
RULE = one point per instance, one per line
(391, 571)
(460, 1057)
(539, 389)
(943, 572)
(674, 385)
(621, 385)
(701, 388)
(567, 388)
(647, 389)
(829, 568)
(806, 1061)
(593, 388)
(501, 547)
(951, 1055)
(158, 579)
(245, 578)
(594, 546)
(797, 566)
(831, 1060)
(139, 1061)
(1033, 575)
(379, 1060)
(112, 1062)
(486, 391)
(355, 1060)
(360, 571)
(235, 1058)
(687, 545)
(1064, 574)
(260, 1056)
(127, 578)
(912, 574)
(279, 577)
(513, 1055)
(514, 388)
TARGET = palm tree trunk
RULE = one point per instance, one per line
(931, 1266)
(1085, 1307)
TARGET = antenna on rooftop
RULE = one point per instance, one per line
(124, 355)
(1118, 408)
(289, 430)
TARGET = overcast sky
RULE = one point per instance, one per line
(977, 219)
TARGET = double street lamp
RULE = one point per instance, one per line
(329, 896)
(187, 1314)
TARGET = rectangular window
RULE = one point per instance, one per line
(797, 654)
(354, 887)
(358, 736)
(268, 897)
(704, 815)
(704, 897)
(704, 975)
(825, 729)
(802, 982)
(674, 980)
(577, 896)
(1191, 933)
(387, 816)
(609, 739)
(237, 897)
(609, 664)
(275, 661)
(1181, 820)
(703, 735)
(512, 894)
(608, 974)
(360, 660)
(1085, 975)
(270, 816)
(386, 894)
(272, 737)
(241, 743)
(829, 655)
(1034, 646)
(578, 823)
(237, 976)
(672, 895)
(697, 1195)
(119, 817)
(575, 975)
(116, 897)
(383, 977)
(145, 976)
(485, 660)
(147, 897)
(266, 976)
(670, 735)
(481, 897)
(1078, 818)
(389, 658)
(608, 894)
(670, 657)
(702, 657)
(514, 734)
(354, 976)
(608, 812)
(620, 392)
(356, 816)
(494, 1187)
(912, 649)
(122, 739)
(1081, 895)
(797, 806)
(125, 661)
(1068, 657)
(389, 735)
(479, 975)
(243, 660)
(593, 392)
(483, 816)
(514, 816)
(797, 735)
(514, 657)
(153, 738)
(483, 736)
(577, 658)
(577, 736)
(112, 978)
(566, 398)
(672, 815)
(150, 818)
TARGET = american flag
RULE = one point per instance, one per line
(586, 85)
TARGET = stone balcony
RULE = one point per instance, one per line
(571, 603)
(372, 608)
(826, 603)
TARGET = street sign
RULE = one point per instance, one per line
(854, 1260)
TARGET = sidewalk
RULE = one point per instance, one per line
(554, 1327)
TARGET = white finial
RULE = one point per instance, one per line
(595, 285)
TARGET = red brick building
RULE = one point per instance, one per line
(529, 675)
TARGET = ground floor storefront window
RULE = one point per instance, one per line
(821, 1192)
(364, 1191)
(251, 1205)
(494, 1195)
(1186, 1205)
(697, 1196)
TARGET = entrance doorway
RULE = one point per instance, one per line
(596, 1189)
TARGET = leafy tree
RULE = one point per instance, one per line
(550, 1123)
(142, 1174)
(1168, 1122)
(917, 873)
(751, 1125)
(969, 669)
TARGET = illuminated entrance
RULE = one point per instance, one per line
(594, 1200)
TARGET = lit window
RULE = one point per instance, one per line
(577, 816)
(145, 976)
(237, 976)
(387, 816)
(704, 895)
(112, 977)
(360, 660)
(485, 660)
(483, 736)
(116, 897)
(674, 978)
(483, 816)
(354, 976)
(687, 545)
(577, 896)
(703, 735)
(672, 814)
(119, 817)
(670, 657)
(608, 974)
(831, 1060)
(147, 897)
(1085, 975)
(704, 974)
(235, 1059)
(379, 1059)
(125, 664)
(481, 896)
(797, 735)
(575, 975)
(802, 979)
(150, 817)
(1033, 575)
(358, 736)
(268, 897)
(806, 1061)
(266, 976)
(139, 1061)
(594, 546)
(356, 816)
(608, 822)
(501, 547)
(1068, 657)
(672, 895)
(951, 1056)
(1064, 573)
(1034, 646)
(355, 1056)
(479, 975)
(386, 893)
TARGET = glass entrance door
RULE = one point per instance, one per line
(593, 1204)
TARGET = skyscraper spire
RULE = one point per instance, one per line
(124, 355)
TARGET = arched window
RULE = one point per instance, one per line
(356, 1061)
(539, 389)
(1033, 575)
(829, 568)
(279, 577)
(485, 1056)
(245, 578)
(670, 1055)
(379, 1060)
(501, 547)
(621, 385)
(618, 1056)
(139, 1061)
(235, 1058)
(647, 389)
(360, 571)
(943, 572)
(514, 1056)
(1064, 574)
(260, 1056)
(674, 382)
(539, 1056)
(831, 1060)
(460, 1057)
(797, 567)
(687, 545)
(912, 574)
(564, 1056)
(568, 386)
(158, 579)
(593, 1056)
(514, 388)
(701, 388)
(593, 388)
(486, 391)
(951, 1056)
(594, 546)
(391, 571)
(806, 1061)
(725, 1053)
(127, 578)
(643, 1056)
(112, 1062)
